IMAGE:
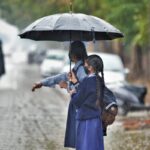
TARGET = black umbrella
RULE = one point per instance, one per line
(70, 26)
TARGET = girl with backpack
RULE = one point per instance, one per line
(88, 100)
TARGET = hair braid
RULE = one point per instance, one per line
(97, 63)
(103, 81)
(99, 90)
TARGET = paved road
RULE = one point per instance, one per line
(36, 121)
(30, 121)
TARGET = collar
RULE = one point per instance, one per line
(91, 75)
(78, 64)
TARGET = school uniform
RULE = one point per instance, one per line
(89, 132)
(70, 134)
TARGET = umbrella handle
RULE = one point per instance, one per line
(70, 62)
(70, 49)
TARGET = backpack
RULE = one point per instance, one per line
(109, 107)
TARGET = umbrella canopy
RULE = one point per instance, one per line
(70, 26)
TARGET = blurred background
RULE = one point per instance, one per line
(36, 121)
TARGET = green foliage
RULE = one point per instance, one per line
(22, 13)
(133, 18)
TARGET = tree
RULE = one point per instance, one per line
(21, 13)
(129, 16)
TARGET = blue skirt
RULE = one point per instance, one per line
(70, 135)
(89, 134)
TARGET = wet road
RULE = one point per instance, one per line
(36, 121)
(30, 121)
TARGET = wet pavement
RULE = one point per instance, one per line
(30, 121)
(120, 139)
(36, 121)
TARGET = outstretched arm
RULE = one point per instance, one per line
(51, 81)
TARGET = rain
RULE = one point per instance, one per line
(37, 120)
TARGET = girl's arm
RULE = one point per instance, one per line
(51, 81)
(79, 97)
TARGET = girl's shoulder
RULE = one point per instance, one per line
(89, 79)
(85, 79)
(92, 80)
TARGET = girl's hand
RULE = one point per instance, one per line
(63, 84)
(72, 91)
(36, 86)
(72, 77)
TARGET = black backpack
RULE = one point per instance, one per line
(109, 107)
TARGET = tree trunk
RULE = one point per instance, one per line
(147, 69)
(137, 59)
(106, 46)
(119, 49)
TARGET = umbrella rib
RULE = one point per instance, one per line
(57, 21)
(41, 20)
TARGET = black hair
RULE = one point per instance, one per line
(78, 50)
(97, 63)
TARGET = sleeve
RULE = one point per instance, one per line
(81, 74)
(53, 80)
(79, 97)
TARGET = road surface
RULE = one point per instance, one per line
(30, 121)
(36, 121)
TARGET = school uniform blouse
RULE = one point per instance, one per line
(70, 134)
(53, 80)
(85, 99)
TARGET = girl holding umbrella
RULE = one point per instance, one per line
(78, 55)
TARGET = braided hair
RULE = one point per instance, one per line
(97, 63)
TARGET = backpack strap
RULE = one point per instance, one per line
(111, 104)
(76, 70)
